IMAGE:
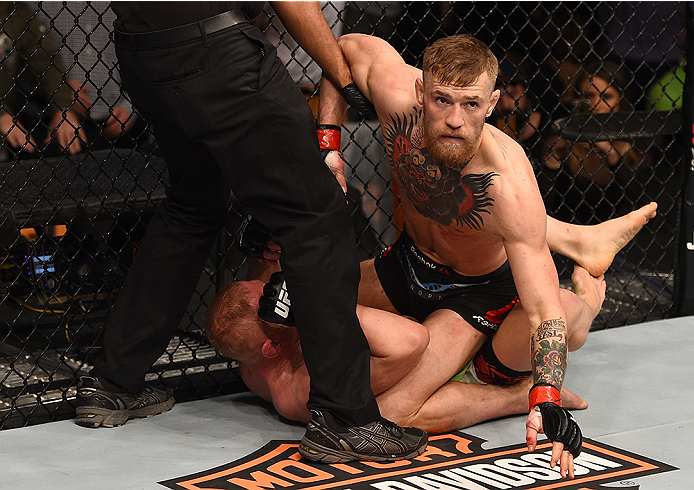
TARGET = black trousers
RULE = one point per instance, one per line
(227, 115)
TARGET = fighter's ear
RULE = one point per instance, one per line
(419, 91)
(493, 100)
(270, 349)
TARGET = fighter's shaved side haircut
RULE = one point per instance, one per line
(459, 60)
(231, 322)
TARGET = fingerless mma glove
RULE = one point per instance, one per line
(253, 238)
(275, 306)
(356, 99)
(557, 422)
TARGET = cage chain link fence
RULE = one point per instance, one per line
(591, 90)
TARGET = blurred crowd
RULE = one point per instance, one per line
(60, 90)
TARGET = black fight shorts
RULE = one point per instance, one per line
(418, 286)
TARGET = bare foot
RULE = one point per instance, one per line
(600, 243)
(591, 290)
(572, 401)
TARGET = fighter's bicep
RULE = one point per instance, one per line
(363, 51)
(376, 67)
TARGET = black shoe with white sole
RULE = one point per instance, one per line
(326, 441)
(99, 407)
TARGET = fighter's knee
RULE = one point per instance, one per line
(417, 338)
(413, 340)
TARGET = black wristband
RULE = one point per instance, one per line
(356, 99)
(328, 126)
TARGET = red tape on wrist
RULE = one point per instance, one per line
(544, 393)
(329, 139)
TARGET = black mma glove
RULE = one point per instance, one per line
(253, 238)
(560, 426)
(356, 99)
(275, 306)
(557, 423)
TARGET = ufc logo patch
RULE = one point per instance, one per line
(283, 304)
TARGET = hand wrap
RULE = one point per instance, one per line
(557, 423)
(329, 139)
(356, 99)
(275, 306)
(253, 238)
(329, 142)
(544, 392)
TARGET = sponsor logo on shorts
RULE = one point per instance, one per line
(419, 290)
(454, 461)
(486, 323)
(431, 265)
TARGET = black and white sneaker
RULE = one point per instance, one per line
(382, 440)
(98, 407)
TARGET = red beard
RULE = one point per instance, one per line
(452, 155)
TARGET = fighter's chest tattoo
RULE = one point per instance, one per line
(437, 191)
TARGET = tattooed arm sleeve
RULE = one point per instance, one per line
(549, 365)
(549, 352)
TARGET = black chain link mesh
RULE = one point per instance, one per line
(71, 223)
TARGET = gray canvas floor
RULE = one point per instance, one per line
(637, 379)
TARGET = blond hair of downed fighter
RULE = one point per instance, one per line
(230, 306)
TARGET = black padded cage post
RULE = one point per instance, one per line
(684, 279)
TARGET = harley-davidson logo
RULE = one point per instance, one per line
(451, 462)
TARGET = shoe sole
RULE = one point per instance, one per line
(322, 454)
(93, 417)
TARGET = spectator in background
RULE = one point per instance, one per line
(596, 177)
(667, 92)
(35, 103)
(644, 37)
(516, 113)
(83, 29)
